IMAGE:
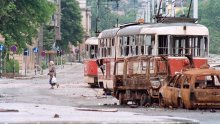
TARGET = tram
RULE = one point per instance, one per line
(90, 66)
(182, 42)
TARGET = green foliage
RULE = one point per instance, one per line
(9, 66)
(44, 65)
(48, 37)
(108, 13)
(71, 28)
(20, 19)
(209, 16)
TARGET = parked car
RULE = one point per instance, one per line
(195, 88)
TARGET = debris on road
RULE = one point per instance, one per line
(134, 106)
(100, 110)
(56, 116)
(8, 110)
(212, 110)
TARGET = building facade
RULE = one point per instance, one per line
(86, 23)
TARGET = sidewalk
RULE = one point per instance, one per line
(31, 73)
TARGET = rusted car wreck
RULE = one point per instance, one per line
(136, 80)
(194, 88)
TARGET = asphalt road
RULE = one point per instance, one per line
(73, 92)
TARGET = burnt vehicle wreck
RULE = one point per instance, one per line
(136, 80)
(194, 88)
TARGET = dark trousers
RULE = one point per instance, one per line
(50, 81)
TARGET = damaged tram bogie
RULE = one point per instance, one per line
(138, 79)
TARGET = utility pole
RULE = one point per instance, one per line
(195, 9)
(173, 8)
(152, 11)
(117, 4)
(97, 18)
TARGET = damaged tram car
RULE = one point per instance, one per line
(184, 44)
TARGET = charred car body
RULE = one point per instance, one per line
(195, 88)
(136, 80)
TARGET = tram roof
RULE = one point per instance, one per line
(108, 33)
(92, 41)
(158, 28)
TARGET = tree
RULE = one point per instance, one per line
(20, 20)
(48, 37)
(107, 13)
(209, 16)
(71, 28)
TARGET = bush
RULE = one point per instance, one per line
(44, 65)
(10, 66)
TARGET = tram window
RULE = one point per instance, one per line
(96, 51)
(148, 44)
(136, 49)
(92, 51)
(113, 50)
(113, 41)
(137, 40)
(148, 40)
(142, 50)
(202, 47)
(101, 43)
(121, 48)
(126, 50)
(133, 51)
(163, 45)
(128, 40)
(103, 52)
(124, 41)
(188, 45)
(99, 53)
(120, 39)
(206, 45)
(142, 40)
(109, 51)
(107, 43)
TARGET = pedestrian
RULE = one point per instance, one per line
(52, 73)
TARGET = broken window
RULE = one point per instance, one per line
(207, 81)
(141, 44)
(162, 45)
(188, 45)
(137, 44)
(186, 84)
(149, 42)
(92, 51)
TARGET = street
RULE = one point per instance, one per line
(30, 95)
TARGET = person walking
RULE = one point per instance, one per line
(52, 74)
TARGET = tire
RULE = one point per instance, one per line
(161, 102)
(180, 103)
(121, 99)
(143, 99)
(148, 100)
